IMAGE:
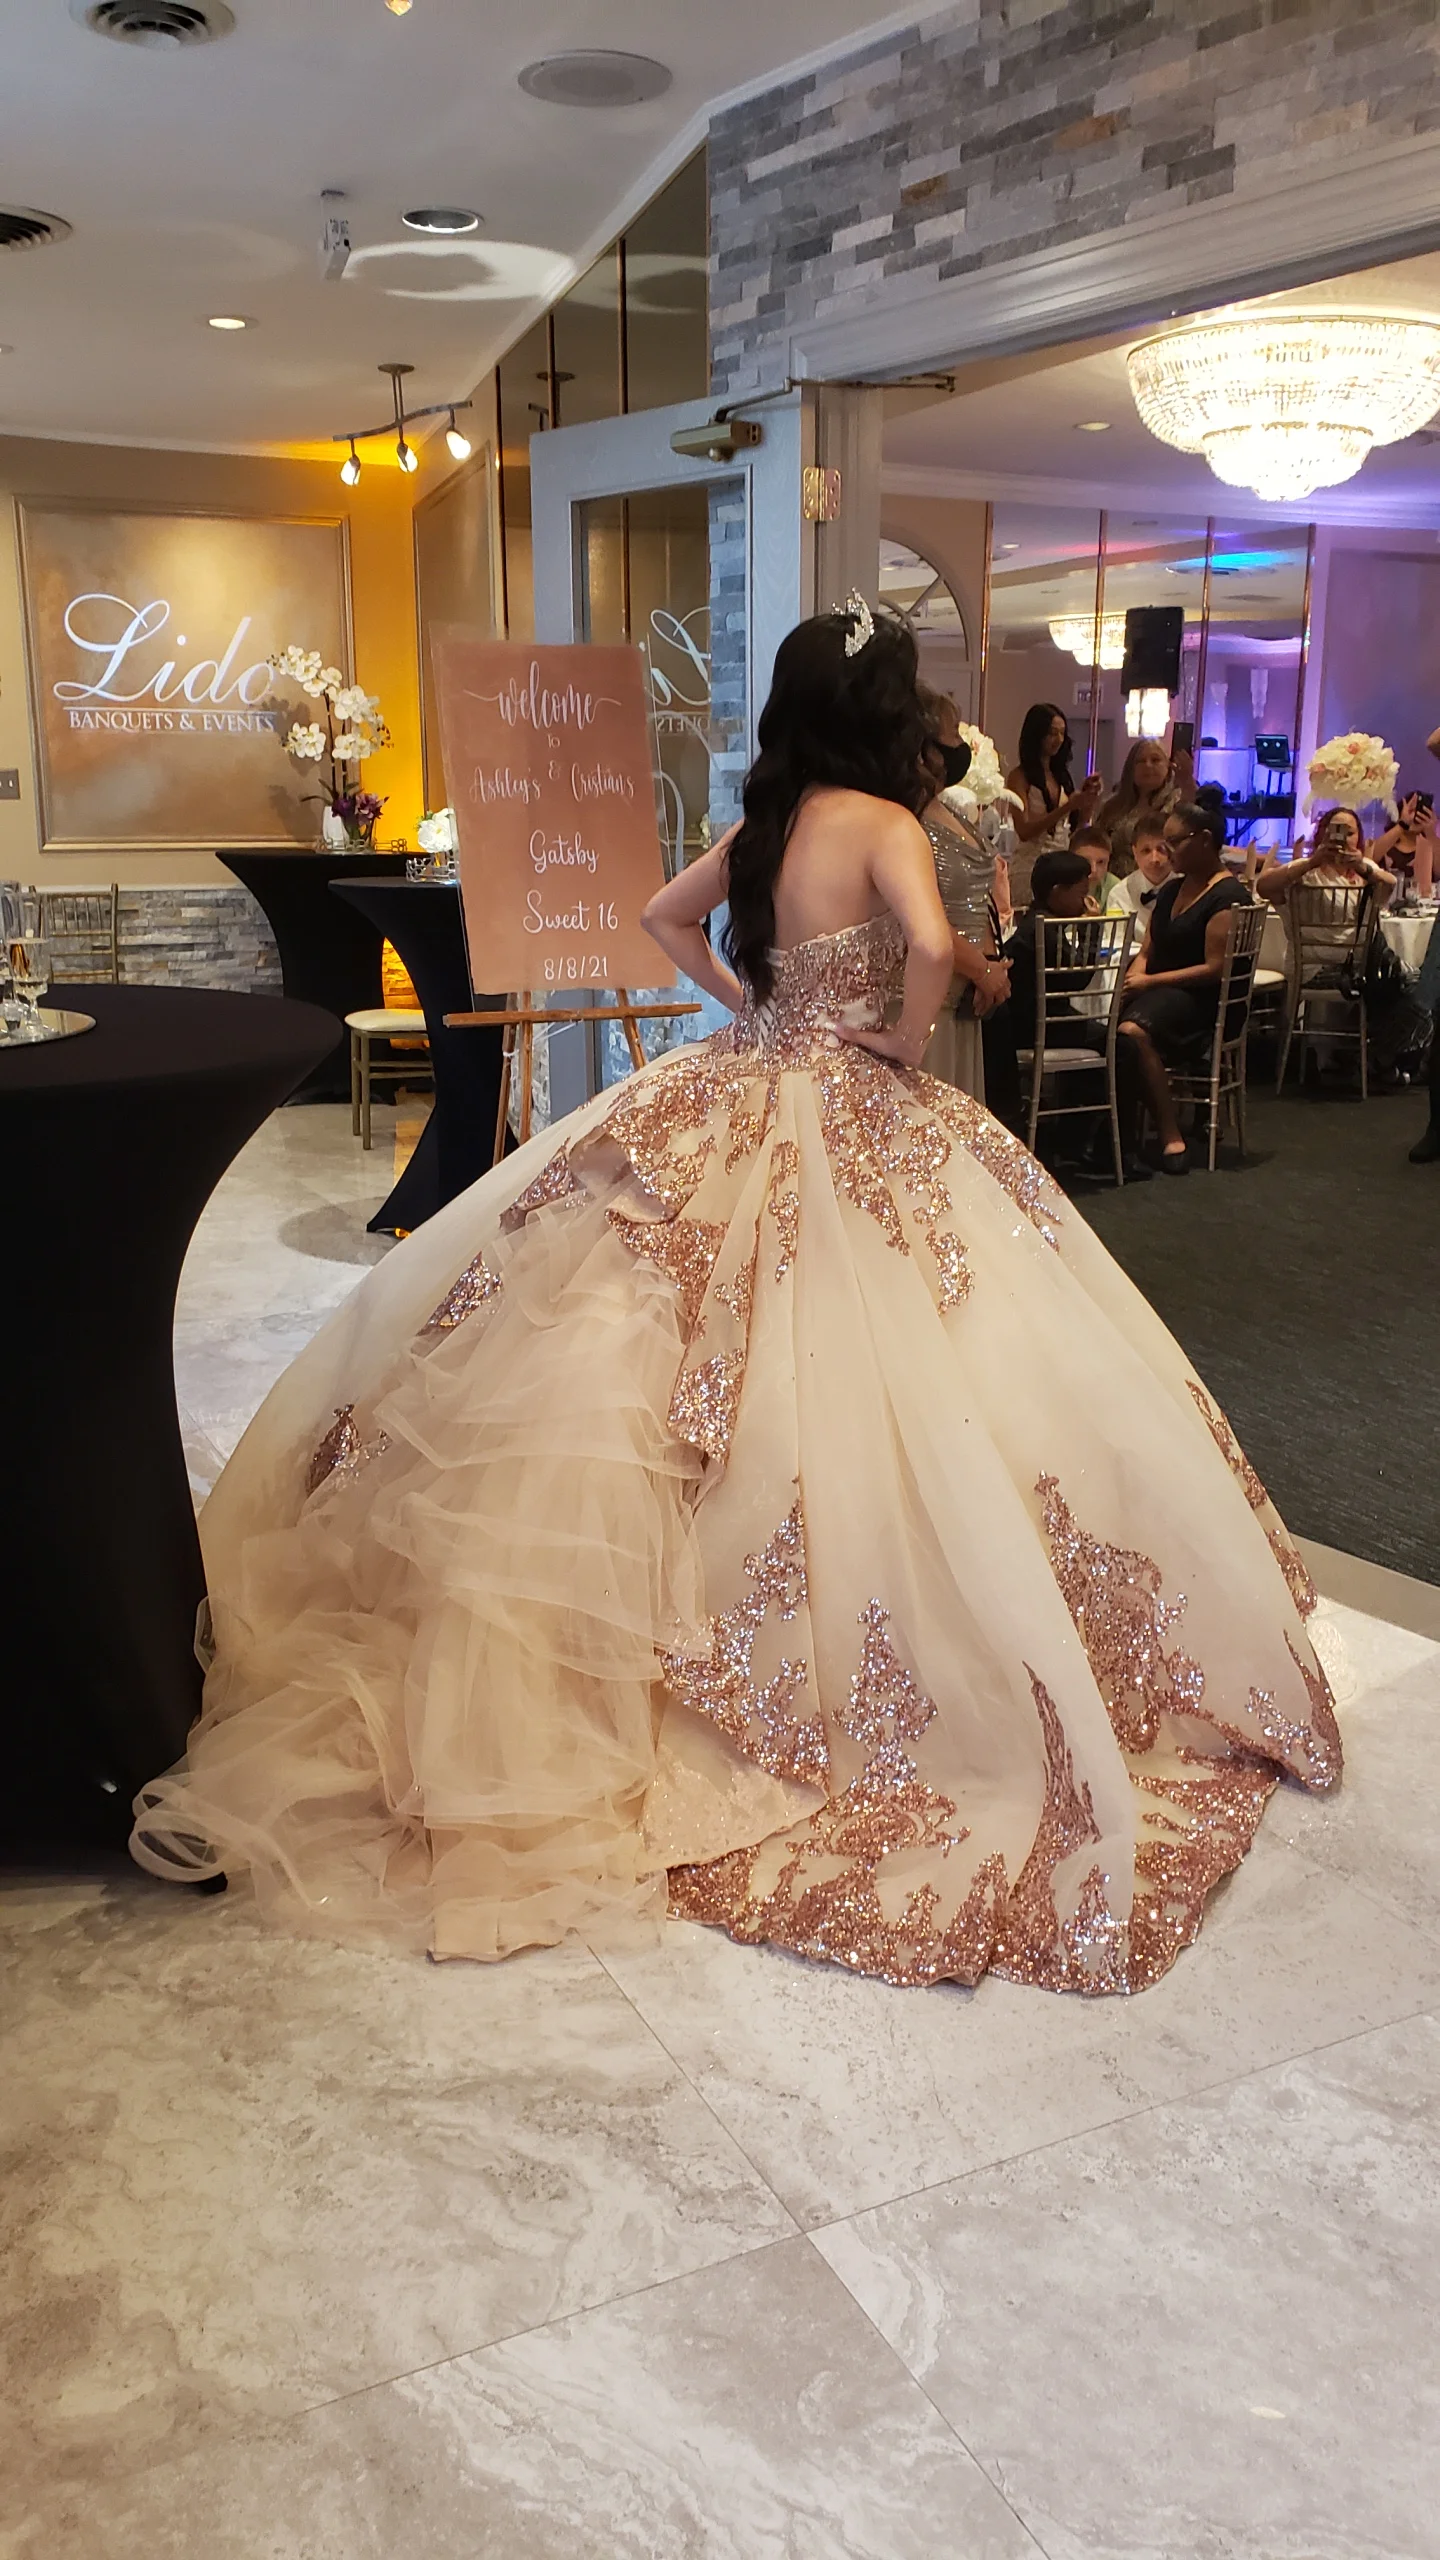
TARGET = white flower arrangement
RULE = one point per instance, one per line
(984, 784)
(303, 664)
(1354, 769)
(351, 731)
(351, 702)
(437, 832)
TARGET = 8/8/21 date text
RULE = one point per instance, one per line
(588, 919)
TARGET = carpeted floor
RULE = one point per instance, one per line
(1303, 1284)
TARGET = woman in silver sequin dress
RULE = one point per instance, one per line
(760, 1497)
(965, 874)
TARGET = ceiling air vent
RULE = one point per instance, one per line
(163, 25)
(21, 227)
(595, 79)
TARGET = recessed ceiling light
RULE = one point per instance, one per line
(1092, 426)
(444, 218)
(227, 320)
(1007, 546)
(595, 79)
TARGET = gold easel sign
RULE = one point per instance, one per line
(547, 758)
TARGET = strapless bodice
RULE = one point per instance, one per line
(850, 976)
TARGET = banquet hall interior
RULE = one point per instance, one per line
(343, 339)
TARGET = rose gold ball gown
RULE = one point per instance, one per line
(761, 1496)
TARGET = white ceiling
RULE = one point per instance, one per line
(192, 181)
(1013, 429)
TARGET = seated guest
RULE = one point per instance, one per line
(1173, 988)
(1061, 886)
(1337, 859)
(1397, 1020)
(1408, 848)
(1094, 843)
(1152, 783)
(1135, 895)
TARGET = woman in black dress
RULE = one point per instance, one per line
(1174, 984)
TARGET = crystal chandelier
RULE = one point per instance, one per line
(1076, 632)
(1286, 404)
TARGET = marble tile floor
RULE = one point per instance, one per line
(281, 1243)
(697, 2252)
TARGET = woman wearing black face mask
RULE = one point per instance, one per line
(965, 869)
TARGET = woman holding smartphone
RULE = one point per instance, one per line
(1044, 785)
(1409, 846)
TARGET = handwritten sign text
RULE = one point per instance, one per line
(547, 760)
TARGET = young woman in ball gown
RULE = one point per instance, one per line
(761, 1497)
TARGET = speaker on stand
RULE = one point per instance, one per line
(1150, 675)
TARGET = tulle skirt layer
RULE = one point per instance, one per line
(767, 1496)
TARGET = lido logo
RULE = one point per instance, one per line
(209, 682)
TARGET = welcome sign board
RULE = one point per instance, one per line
(547, 757)
(148, 636)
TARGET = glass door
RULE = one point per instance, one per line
(632, 541)
(644, 573)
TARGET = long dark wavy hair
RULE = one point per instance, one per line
(854, 724)
(1034, 730)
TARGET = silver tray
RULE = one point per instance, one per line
(58, 1025)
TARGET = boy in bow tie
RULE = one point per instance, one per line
(1136, 893)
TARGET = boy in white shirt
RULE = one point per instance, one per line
(1135, 895)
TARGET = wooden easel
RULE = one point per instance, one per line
(519, 1021)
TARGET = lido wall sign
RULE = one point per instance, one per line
(204, 697)
(149, 636)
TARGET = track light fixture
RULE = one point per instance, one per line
(405, 454)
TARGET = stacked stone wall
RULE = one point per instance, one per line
(1005, 126)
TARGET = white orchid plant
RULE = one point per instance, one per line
(1354, 770)
(349, 731)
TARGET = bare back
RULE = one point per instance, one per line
(828, 877)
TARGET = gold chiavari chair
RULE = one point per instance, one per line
(82, 927)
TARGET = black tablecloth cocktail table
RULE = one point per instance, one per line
(329, 954)
(111, 1144)
(422, 919)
